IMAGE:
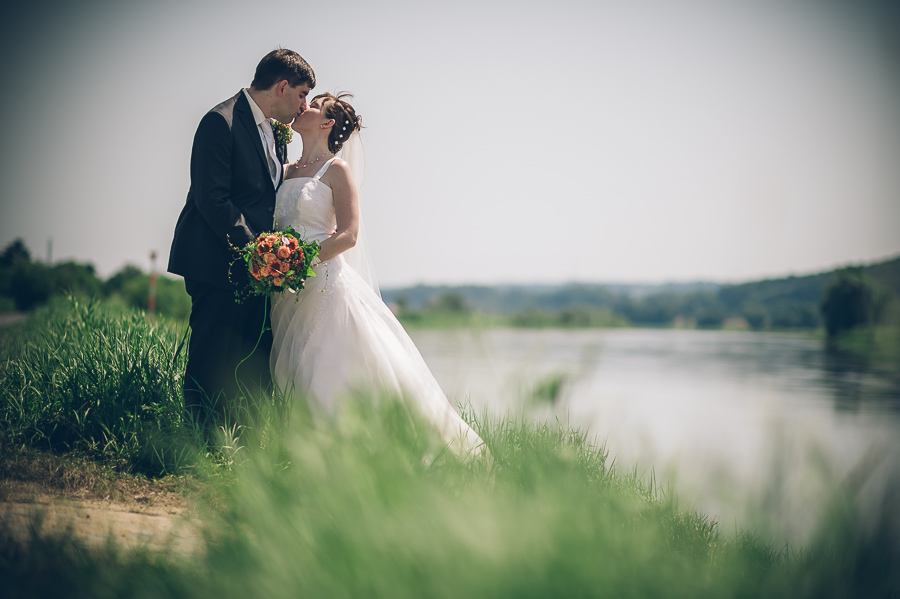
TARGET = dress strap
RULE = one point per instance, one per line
(323, 168)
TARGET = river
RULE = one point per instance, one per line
(756, 429)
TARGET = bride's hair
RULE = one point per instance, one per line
(346, 121)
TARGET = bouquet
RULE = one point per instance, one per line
(276, 262)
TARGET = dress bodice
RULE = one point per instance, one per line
(307, 204)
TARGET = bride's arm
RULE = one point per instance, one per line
(346, 210)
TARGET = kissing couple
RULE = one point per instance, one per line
(333, 338)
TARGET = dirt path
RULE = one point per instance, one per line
(56, 494)
(95, 522)
(12, 318)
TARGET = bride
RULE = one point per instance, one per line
(336, 336)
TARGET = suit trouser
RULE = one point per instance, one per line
(228, 354)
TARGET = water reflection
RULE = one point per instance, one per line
(857, 382)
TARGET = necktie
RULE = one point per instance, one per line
(269, 136)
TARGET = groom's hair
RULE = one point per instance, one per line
(283, 64)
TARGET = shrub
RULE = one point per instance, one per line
(852, 300)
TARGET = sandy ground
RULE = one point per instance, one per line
(51, 495)
(96, 522)
(11, 318)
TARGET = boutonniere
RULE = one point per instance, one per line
(283, 133)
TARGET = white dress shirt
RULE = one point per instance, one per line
(267, 137)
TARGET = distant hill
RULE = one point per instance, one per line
(794, 301)
(886, 273)
(790, 302)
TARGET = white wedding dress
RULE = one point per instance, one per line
(336, 337)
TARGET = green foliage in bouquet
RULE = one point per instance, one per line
(276, 262)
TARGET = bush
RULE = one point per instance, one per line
(30, 285)
(658, 309)
(122, 278)
(7, 304)
(853, 300)
(74, 279)
(453, 303)
(171, 299)
(794, 315)
(757, 317)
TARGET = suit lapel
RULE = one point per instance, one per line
(244, 115)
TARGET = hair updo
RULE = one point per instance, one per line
(346, 121)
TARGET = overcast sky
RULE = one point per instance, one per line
(639, 141)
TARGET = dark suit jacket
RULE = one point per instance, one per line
(231, 199)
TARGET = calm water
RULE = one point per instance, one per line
(756, 428)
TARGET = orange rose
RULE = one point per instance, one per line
(283, 252)
(285, 267)
(269, 258)
(277, 281)
(265, 271)
(270, 239)
(256, 275)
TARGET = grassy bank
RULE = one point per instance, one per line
(98, 380)
(367, 506)
(878, 344)
(574, 318)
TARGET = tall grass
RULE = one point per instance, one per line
(367, 505)
(80, 376)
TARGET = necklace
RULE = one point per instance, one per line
(308, 162)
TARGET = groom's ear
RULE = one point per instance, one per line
(280, 87)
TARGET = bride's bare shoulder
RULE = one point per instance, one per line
(338, 172)
(340, 165)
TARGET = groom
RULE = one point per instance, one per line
(235, 170)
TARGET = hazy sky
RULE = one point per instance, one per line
(651, 141)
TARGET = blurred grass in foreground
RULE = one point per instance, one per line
(367, 506)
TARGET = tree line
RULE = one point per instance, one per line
(26, 284)
(839, 301)
(836, 300)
